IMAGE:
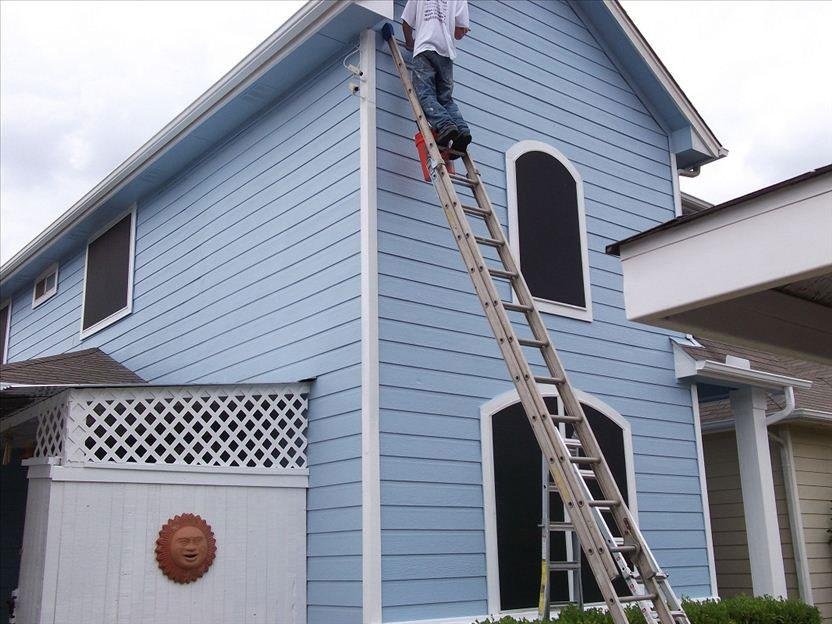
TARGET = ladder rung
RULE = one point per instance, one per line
(584, 460)
(587, 474)
(503, 274)
(564, 418)
(624, 548)
(560, 566)
(561, 526)
(516, 307)
(461, 179)
(602, 502)
(475, 210)
(526, 342)
(572, 442)
(642, 598)
(491, 242)
(547, 380)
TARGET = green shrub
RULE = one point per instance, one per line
(737, 610)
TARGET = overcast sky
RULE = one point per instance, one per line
(83, 85)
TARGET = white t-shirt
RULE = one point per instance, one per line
(434, 22)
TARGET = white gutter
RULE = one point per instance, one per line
(776, 417)
(804, 578)
(311, 17)
(720, 371)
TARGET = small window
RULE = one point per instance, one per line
(45, 286)
(108, 280)
(5, 324)
(547, 228)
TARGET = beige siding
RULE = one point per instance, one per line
(733, 570)
(813, 467)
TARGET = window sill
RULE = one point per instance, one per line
(105, 322)
(564, 309)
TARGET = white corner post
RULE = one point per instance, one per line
(764, 550)
(370, 472)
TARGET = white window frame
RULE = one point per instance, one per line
(36, 301)
(120, 314)
(545, 305)
(4, 348)
(487, 411)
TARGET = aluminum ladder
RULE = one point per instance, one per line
(609, 559)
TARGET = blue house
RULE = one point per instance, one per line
(261, 318)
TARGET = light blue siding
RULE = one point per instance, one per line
(247, 270)
(527, 70)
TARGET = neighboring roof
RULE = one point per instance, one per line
(817, 398)
(87, 367)
(614, 249)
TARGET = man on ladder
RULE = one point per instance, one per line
(437, 24)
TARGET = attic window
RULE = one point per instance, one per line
(45, 286)
(108, 280)
(547, 228)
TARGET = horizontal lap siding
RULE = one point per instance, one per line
(248, 270)
(526, 71)
(813, 470)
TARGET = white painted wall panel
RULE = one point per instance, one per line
(106, 569)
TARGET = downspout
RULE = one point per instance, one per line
(690, 173)
(804, 584)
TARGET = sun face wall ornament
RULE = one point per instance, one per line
(185, 548)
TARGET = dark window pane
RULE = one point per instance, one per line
(4, 321)
(108, 273)
(40, 288)
(50, 282)
(550, 243)
(518, 485)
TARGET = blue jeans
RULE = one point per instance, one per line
(433, 80)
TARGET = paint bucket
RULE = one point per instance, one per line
(423, 155)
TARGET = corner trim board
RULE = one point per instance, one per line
(703, 485)
(370, 470)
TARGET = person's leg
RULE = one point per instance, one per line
(424, 83)
(444, 95)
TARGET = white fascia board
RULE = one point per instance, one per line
(703, 132)
(297, 29)
(733, 252)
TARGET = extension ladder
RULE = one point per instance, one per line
(629, 558)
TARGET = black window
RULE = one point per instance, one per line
(107, 282)
(517, 487)
(551, 256)
(5, 313)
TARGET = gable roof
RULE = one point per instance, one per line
(317, 31)
(86, 367)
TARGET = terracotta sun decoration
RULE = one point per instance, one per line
(185, 548)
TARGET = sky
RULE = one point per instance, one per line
(83, 85)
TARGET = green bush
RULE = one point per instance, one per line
(737, 610)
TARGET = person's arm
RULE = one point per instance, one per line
(408, 18)
(408, 35)
(462, 23)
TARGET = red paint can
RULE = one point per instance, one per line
(423, 156)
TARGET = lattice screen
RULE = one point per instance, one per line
(51, 415)
(238, 426)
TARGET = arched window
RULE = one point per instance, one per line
(512, 484)
(547, 227)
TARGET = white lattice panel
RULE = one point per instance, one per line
(51, 415)
(231, 426)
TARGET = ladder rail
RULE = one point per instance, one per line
(590, 526)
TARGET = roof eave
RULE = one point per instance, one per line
(304, 23)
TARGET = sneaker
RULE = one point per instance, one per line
(446, 135)
(462, 142)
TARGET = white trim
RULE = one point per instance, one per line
(115, 316)
(171, 475)
(545, 305)
(4, 348)
(487, 411)
(36, 301)
(804, 577)
(674, 180)
(370, 471)
(703, 486)
(296, 30)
